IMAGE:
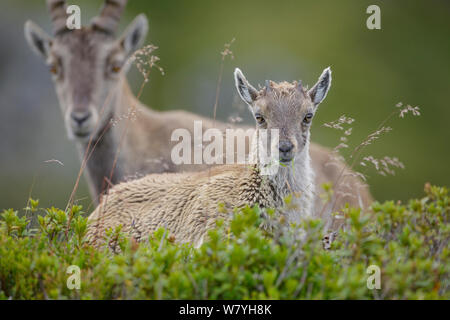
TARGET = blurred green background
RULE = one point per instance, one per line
(407, 61)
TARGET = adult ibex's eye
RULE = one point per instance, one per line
(116, 68)
(260, 119)
(54, 69)
(308, 118)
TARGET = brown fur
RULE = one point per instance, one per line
(184, 203)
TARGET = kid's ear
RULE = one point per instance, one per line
(320, 89)
(246, 91)
(38, 40)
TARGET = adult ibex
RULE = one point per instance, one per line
(89, 73)
(187, 203)
(89, 68)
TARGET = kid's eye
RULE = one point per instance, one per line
(260, 119)
(308, 118)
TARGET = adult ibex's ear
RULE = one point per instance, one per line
(246, 91)
(134, 35)
(37, 39)
(320, 89)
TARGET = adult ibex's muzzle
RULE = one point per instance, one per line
(80, 117)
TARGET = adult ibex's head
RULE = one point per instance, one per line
(288, 107)
(86, 64)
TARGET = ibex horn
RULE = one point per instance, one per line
(58, 14)
(268, 87)
(109, 17)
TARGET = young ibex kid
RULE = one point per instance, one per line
(187, 204)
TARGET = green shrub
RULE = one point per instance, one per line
(409, 243)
